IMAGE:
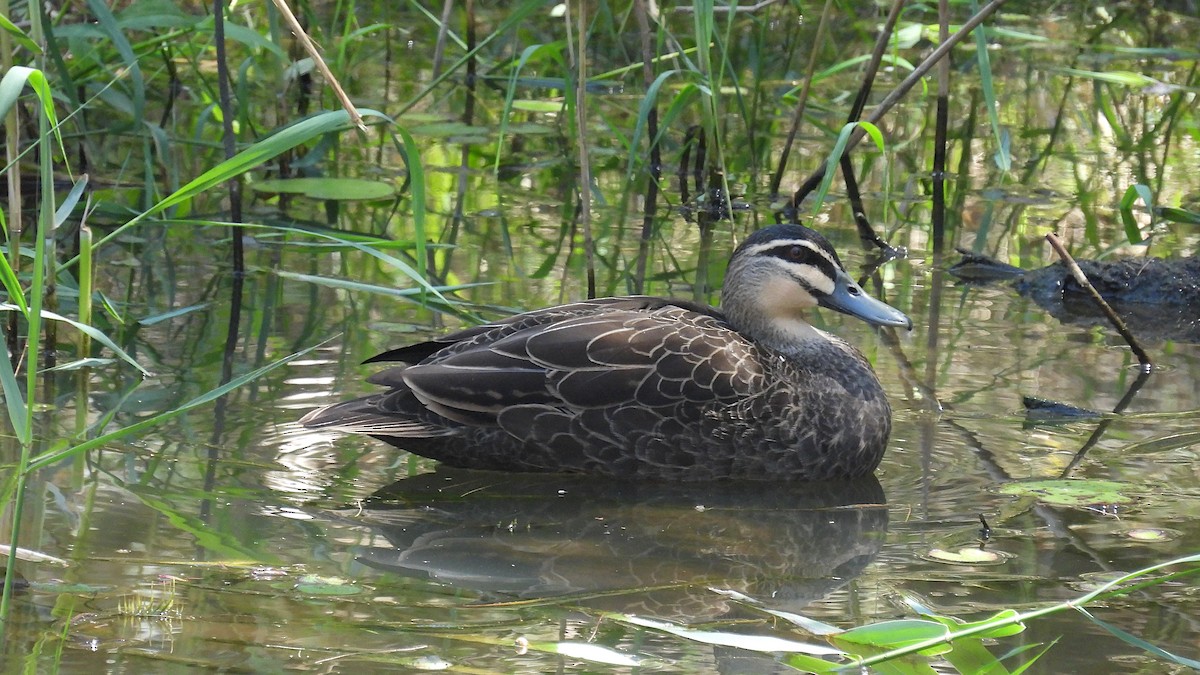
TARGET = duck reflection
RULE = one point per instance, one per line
(655, 548)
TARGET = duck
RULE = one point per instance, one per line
(648, 387)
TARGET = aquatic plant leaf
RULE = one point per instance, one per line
(14, 399)
(313, 584)
(1167, 443)
(348, 285)
(810, 625)
(897, 633)
(19, 35)
(529, 105)
(335, 189)
(755, 643)
(69, 202)
(983, 60)
(268, 148)
(835, 156)
(1023, 648)
(1178, 215)
(1009, 619)
(165, 316)
(1134, 640)
(93, 333)
(967, 555)
(12, 285)
(133, 70)
(1008, 623)
(1122, 77)
(13, 84)
(589, 652)
(30, 555)
(812, 664)
(1076, 493)
(969, 655)
(1132, 232)
(79, 363)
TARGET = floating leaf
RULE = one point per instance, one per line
(337, 189)
(1152, 535)
(1077, 493)
(968, 555)
(317, 585)
(537, 106)
(447, 129)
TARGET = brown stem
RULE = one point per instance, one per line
(1081, 278)
(891, 99)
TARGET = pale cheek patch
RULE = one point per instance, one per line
(780, 296)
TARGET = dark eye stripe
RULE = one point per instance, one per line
(806, 256)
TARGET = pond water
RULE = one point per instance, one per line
(231, 538)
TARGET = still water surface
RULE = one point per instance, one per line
(285, 548)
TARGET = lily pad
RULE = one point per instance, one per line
(1076, 493)
(313, 584)
(338, 189)
(968, 555)
(1152, 535)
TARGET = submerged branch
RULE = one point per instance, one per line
(1081, 278)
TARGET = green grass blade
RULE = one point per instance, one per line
(12, 285)
(510, 93)
(270, 147)
(1132, 232)
(1002, 156)
(14, 399)
(108, 23)
(19, 35)
(68, 204)
(402, 266)
(358, 286)
(1136, 641)
(835, 157)
(416, 178)
(648, 102)
(93, 333)
(514, 17)
(13, 84)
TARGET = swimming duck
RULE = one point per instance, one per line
(651, 387)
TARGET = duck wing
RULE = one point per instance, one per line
(645, 354)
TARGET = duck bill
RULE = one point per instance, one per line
(849, 298)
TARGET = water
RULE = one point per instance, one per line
(234, 539)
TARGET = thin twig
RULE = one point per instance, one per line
(802, 101)
(311, 48)
(1081, 278)
(891, 99)
(725, 9)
